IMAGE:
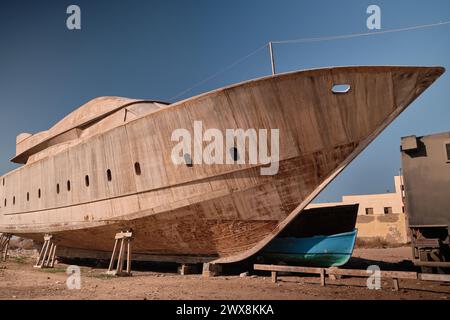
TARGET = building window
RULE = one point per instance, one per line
(39, 193)
(109, 175)
(403, 209)
(5, 202)
(447, 149)
(369, 211)
(57, 188)
(28, 196)
(14, 200)
(68, 185)
(86, 180)
(3, 181)
(137, 168)
(387, 210)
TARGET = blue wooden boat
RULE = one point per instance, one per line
(318, 251)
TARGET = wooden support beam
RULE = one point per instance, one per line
(264, 267)
(52, 261)
(336, 271)
(186, 269)
(46, 246)
(46, 258)
(396, 284)
(322, 277)
(437, 264)
(323, 272)
(5, 250)
(122, 243)
(363, 273)
(434, 277)
(274, 277)
(128, 255)
(120, 258)
(211, 269)
(50, 253)
(41, 253)
(4, 245)
(111, 262)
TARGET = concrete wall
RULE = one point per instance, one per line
(390, 227)
(372, 220)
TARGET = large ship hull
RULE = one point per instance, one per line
(221, 212)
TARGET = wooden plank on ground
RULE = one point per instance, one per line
(434, 277)
(364, 273)
(265, 267)
(336, 271)
(437, 264)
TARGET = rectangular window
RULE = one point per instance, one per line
(387, 210)
(447, 149)
(369, 211)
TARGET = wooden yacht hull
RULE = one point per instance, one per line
(222, 212)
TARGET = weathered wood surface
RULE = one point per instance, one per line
(47, 255)
(394, 275)
(121, 251)
(336, 271)
(223, 212)
(280, 268)
(434, 277)
(365, 273)
(4, 245)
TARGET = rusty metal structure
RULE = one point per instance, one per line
(426, 172)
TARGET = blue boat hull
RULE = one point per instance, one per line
(317, 251)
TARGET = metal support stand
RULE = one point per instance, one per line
(122, 246)
(47, 255)
(4, 245)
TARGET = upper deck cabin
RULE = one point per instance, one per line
(96, 116)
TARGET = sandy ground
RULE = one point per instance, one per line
(19, 280)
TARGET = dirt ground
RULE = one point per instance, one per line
(19, 280)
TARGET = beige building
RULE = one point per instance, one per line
(380, 215)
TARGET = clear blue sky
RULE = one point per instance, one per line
(155, 49)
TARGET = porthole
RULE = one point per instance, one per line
(234, 154)
(109, 175)
(86, 181)
(188, 160)
(340, 88)
(137, 168)
(68, 185)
